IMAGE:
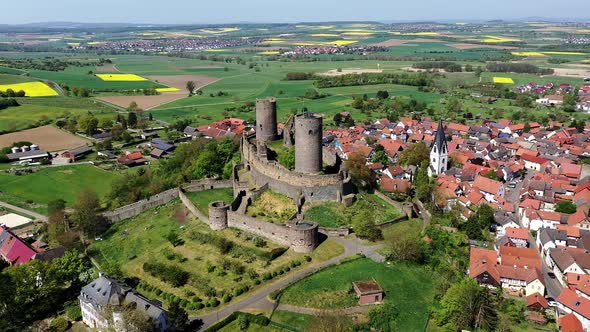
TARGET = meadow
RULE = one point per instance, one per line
(332, 214)
(201, 199)
(408, 287)
(39, 188)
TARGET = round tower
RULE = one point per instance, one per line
(308, 143)
(304, 236)
(218, 215)
(266, 120)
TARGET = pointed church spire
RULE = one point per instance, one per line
(440, 139)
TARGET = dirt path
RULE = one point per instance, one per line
(327, 312)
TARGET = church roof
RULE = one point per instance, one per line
(440, 139)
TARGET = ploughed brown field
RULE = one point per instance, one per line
(47, 137)
(175, 81)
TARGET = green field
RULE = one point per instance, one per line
(33, 112)
(332, 214)
(37, 189)
(201, 199)
(131, 243)
(408, 287)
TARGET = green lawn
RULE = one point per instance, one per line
(41, 187)
(332, 214)
(408, 287)
(201, 199)
(272, 207)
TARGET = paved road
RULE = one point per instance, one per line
(259, 298)
(24, 211)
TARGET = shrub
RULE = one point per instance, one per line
(183, 303)
(238, 291)
(59, 324)
(252, 274)
(214, 302)
(170, 274)
(267, 276)
(307, 258)
(257, 282)
(200, 306)
(73, 312)
(226, 298)
(158, 292)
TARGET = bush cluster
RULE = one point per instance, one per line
(167, 273)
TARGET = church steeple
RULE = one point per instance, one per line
(439, 155)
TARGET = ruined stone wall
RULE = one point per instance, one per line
(139, 207)
(301, 240)
(206, 184)
(134, 209)
(314, 187)
(192, 208)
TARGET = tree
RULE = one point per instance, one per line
(87, 124)
(380, 157)
(527, 127)
(86, 213)
(132, 119)
(190, 87)
(365, 228)
(405, 247)
(178, 318)
(414, 154)
(132, 107)
(467, 306)
(491, 174)
(566, 207)
(382, 94)
(356, 164)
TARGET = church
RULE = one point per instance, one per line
(439, 154)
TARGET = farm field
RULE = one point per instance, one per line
(408, 287)
(144, 238)
(37, 189)
(31, 89)
(332, 214)
(47, 137)
(33, 112)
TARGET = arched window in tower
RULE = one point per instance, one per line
(434, 149)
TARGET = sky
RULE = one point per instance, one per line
(279, 11)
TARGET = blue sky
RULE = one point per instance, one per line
(230, 11)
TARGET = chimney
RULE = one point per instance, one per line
(101, 274)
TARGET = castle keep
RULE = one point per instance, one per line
(259, 173)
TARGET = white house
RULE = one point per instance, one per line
(107, 292)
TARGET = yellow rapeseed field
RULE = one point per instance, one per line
(31, 89)
(167, 89)
(120, 77)
(565, 53)
(220, 30)
(583, 31)
(422, 34)
(494, 39)
(503, 80)
(324, 35)
(528, 53)
(269, 53)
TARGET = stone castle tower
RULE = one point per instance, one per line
(439, 155)
(266, 120)
(308, 143)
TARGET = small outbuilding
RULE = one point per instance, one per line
(368, 292)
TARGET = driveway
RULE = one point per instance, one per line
(24, 211)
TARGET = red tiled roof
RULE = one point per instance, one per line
(481, 260)
(487, 185)
(517, 233)
(573, 301)
(570, 323)
(537, 298)
(533, 159)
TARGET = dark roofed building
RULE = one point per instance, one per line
(108, 292)
(77, 153)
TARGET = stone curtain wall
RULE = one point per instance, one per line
(162, 198)
(292, 184)
(138, 207)
(192, 208)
